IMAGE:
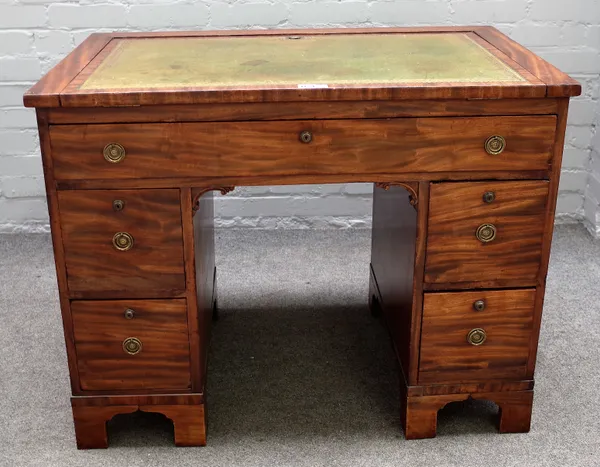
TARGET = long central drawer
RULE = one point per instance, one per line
(312, 147)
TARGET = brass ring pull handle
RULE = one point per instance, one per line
(494, 145)
(489, 196)
(132, 345)
(129, 313)
(476, 336)
(122, 241)
(479, 305)
(306, 136)
(114, 153)
(486, 233)
(118, 205)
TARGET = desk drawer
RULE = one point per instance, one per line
(96, 228)
(131, 344)
(401, 145)
(504, 318)
(513, 213)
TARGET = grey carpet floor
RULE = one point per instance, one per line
(300, 373)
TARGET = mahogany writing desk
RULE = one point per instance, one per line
(460, 129)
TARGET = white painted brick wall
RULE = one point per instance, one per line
(591, 205)
(36, 34)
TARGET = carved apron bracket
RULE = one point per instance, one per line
(198, 192)
(408, 186)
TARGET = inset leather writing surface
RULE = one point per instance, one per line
(215, 62)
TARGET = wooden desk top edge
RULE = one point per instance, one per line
(49, 91)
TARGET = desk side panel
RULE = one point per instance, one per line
(204, 251)
(57, 244)
(395, 271)
(561, 126)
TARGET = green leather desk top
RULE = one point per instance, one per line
(304, 61)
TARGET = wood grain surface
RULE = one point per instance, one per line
(455, 255)
(58, 247)
(101, 327)
(154, 266)
(46, 92)
(344, 146)
(561, 126)
(301, 179)
(470, 387)
(419, 414)
(90, 424)
(205, 273)
(446, 356)
(138, 399)
(558, 83)
(189, 423)
(303, 111)
(393, 265)
(197, 343)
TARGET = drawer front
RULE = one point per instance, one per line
(95, 229)
(461, 223)
(399, 145)
(131, 344)
(505, 318)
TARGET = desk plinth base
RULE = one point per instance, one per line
(419, 413)
(90, 415)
